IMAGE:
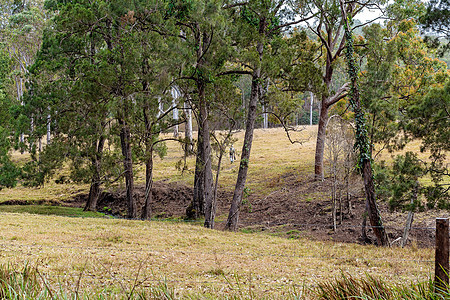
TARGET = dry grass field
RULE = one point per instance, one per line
(108, 258)
(113, 255)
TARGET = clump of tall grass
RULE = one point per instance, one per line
(30, 284)
(23, 284)
(370, 288)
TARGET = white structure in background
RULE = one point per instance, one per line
(175, 92)
(265, 118)
(160, 108)
(311, 108)
(265, 114)
(188, 130)
(49, 120)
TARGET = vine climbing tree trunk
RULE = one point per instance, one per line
(362, 141)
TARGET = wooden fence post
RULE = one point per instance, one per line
(442, 255)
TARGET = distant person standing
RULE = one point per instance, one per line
(232, 154)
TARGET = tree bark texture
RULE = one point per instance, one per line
(210, 209)
(320, 143)
(94, 190)
(374, 213)
(197, 206)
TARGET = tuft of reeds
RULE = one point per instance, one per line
(370, 288)
(30, 284)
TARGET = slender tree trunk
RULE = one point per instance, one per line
(233, 215)
(333, 206)
(320, 143)
(347, 194)
(125, 141)
(146, 210)
(409, 219)
(216, 184)
(196, 209)
(94, 191)
(210, 209)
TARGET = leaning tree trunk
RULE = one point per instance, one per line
(374, 213)
(146, 210)
(233, 215)
(362, 141)
(94, 191)
(125, 141)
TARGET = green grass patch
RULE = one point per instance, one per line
(51, 210)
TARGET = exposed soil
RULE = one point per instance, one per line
(299, 207)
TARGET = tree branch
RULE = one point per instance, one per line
(341, 93)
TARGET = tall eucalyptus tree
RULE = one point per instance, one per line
(329, 29)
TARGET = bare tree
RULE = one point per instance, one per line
(340, 156)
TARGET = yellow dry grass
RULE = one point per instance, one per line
(111, 253)
(272, 154)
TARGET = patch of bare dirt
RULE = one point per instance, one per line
(299, 207)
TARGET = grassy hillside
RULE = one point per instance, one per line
(272, 155)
